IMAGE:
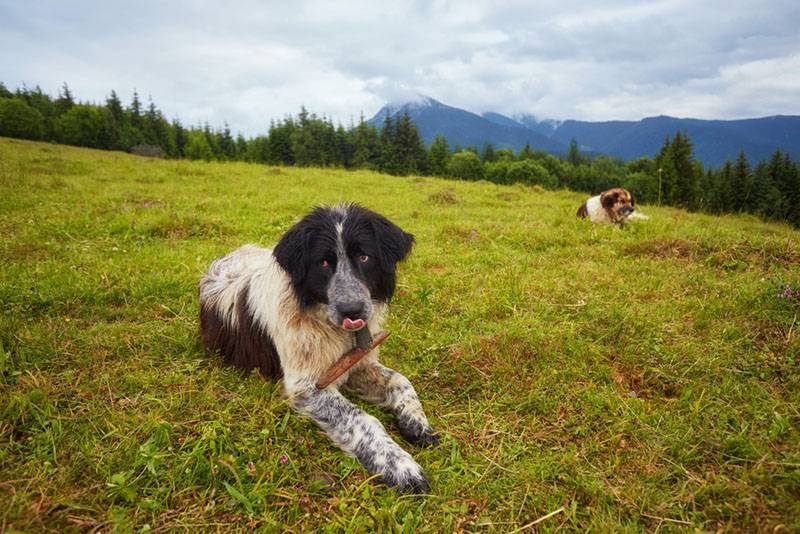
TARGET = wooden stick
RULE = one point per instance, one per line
(349, 360)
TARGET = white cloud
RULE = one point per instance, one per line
(248, 62)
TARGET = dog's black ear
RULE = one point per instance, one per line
(632, 203)
(291, 252)
(394, 243)
(607, 200)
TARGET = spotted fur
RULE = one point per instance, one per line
(282, 311)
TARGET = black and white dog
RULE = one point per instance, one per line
(293, 311)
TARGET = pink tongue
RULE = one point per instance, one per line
(349, 324)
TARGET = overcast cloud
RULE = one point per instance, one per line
(249, 62)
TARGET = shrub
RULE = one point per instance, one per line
(18, 119)
(497, 172)
(465, 165)
(82, 125)
(531, 173)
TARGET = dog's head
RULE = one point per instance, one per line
(618, 203)
(343, 257)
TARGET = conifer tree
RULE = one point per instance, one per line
(525, 153)
(135, 111)
(766, 199)
(227, 145)
(408, 147)
(780, 169)
(305, 147)
(366, 146)
(488, 154)
(181, 137)
(280, 146)
(345, 147)
(64, 101)
(574, 156)
(724, 193)
(388, 155)
(258, 149)
(114, 106)
(150, 123)
(114, 122)
(789, 184)
(329, 150)
(684, 190)
(438, 156)
(241, 147)
(741, 185)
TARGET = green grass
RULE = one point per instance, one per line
(629, 380)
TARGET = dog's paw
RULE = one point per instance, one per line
(405, 476)
(416, 432)
(429, 438)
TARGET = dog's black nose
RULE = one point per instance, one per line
(626, 210)
(351, 310)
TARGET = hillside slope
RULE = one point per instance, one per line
(616, 379)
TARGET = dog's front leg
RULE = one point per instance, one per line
(360, 435)
(389, 389)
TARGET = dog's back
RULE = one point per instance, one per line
(229, 323)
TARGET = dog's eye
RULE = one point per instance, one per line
(325, 264)
(363, 258)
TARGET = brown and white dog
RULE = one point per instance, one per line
(612, 206)
(292, 311)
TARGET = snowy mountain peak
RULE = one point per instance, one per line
(544, 126)
(416, 102)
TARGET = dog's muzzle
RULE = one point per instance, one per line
(353, 315)
(349, 304)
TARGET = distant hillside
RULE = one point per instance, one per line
(465, 128)
(715, 141)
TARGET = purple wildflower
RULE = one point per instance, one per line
(284, 459)
(789, 293)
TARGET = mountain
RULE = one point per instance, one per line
(502, 120)
(465, 128)
(715, 141)
(545, 126)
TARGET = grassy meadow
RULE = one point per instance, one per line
(581, 377)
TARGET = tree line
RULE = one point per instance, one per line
(305, 140)
(770, 189)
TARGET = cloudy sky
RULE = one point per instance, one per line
(246, 62)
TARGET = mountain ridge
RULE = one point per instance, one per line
(465, 128)
(715, 141)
